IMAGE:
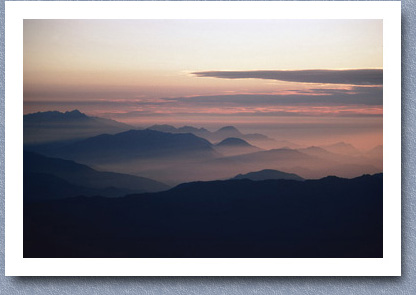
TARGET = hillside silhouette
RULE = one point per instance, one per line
(232, 146)
(54, 126)
(330, 217)
(215, 136)
(46, 178)
(267, 174)
(342, 148)
(135, 144)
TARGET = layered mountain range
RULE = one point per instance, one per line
(216, 136)
(330, 217)
(177, 155)
(98, 188)
(51, 178)
(54, 126)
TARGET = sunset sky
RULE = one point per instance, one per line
(303, 80)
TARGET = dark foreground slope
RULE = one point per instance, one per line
(330, 217)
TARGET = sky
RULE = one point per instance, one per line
(303, 80)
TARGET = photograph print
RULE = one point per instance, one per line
(203, 138)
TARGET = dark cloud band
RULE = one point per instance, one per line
(359, 95)
(351, 77)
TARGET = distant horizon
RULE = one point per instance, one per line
(305, 80)
(216, 126)
(300, 174)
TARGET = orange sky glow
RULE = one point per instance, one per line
(210, 72)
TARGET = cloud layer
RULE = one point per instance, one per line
(357, 101)
(368, 96)
(351, 77)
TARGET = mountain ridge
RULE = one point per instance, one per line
(267, 174)
(215, 136)
(84, 178)
(55, 126)
(327, 218)
(144, 144)
(234, 141)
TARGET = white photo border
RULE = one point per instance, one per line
(17, 11)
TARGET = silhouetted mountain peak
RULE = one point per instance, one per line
(75, 114)
(135, 144)
(316, 151)
(55, 115)
(228, 129)
(147, 137)
(190, 129)
(173, 129)
(163, 128)
(331, 178)
(267, 174)
(154, 134)
(341, 148)
(216, 136)
(54, 126)
(233, 141)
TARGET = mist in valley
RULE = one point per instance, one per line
(174, 155)
(203, 138)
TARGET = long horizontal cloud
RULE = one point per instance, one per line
(369, 96)
(358, 95)
(357, 101)
(254, 113)
(351, 77)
